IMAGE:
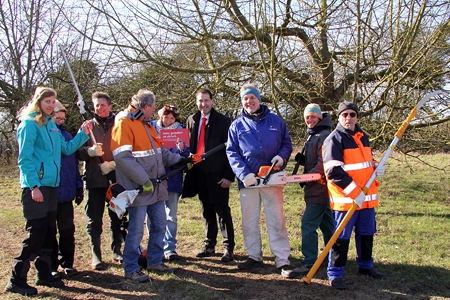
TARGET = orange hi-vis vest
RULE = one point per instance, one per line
(348, 164)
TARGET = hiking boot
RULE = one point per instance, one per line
(249, 264)
(206, 252)
(49, 281)
(227, 256)
(372, 273)
(21, 288)
(70, 271)
(162, 268)
(171, 256)
(338, 283)
(303, 269)
(286, 271)
(138, 276)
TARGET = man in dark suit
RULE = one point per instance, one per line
(211, 179)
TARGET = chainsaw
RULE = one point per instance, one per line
(269, 176)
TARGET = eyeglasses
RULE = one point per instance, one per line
(60, 119)
(172, 108)
(352, 115)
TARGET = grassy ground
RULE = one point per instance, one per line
(411, 248)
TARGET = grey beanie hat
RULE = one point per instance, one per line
(347, 105)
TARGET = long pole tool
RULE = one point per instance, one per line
(349, 214)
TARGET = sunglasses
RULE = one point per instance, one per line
(352, 115)
(172, 108)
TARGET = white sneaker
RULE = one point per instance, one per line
(138, 276)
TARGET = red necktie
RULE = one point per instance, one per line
(201, 138)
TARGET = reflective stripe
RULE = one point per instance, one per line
(357, 166)
(348, 200)
(332, 163)
(350, 188)
(145, 153)
(122, 149)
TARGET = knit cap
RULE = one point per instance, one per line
(313, 109)
(347, 105)
(59, 107)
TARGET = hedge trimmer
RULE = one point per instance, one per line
(349, 214)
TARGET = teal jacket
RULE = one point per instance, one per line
(40, 150)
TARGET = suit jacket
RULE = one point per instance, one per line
(206, 174)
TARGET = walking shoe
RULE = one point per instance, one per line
(372, 273)
(138, 276)
(206, 252)
(286, 271)
(227, 256)
(70, 271)
(171, 256)
(117, 258)
(56, 274)
(249, 264)
(338, 283)
(162, 268)
(303, 269)
(98, 266)
(21, 288)
(50, 281)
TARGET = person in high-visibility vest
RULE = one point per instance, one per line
(348, 165)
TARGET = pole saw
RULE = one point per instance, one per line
(349, 214)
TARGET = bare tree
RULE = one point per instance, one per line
(385, 53)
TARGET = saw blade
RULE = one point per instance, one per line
(303, 177)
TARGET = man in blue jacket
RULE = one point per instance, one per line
(260, 138)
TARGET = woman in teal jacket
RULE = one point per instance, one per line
(40, 147)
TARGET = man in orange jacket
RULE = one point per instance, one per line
(348, 164)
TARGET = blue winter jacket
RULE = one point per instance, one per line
(70, 174)
(253, 142)
(40, 150)
(174, 183)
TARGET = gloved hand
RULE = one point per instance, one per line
(279, 160)
(360, 199)
(95, 150)
(107, 167)
(79, 196)
(249, 180)
(380, 170)
(300, 158)
(148, 187)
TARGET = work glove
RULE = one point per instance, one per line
(279, 160)
(107, 167)
(148, 186)
(380, 170)
(249, 180)
(300, 158)
(359, 200)
(96, 150)
(79, 196)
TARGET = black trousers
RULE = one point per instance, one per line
(64, 250)
(223, 211)
(40, 224)
(95, 208)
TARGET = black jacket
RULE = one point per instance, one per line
(214, 167)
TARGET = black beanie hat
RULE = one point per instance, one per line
(347, 105)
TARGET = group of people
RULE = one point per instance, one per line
(127, 149)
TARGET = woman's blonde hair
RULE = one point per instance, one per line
(34, 105)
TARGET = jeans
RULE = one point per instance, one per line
(170, 238)
(155, 248)
(272, 199)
